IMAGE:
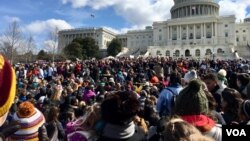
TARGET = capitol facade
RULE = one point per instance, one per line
(195, 30)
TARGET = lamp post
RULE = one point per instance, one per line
(213, 53)
(223, 54)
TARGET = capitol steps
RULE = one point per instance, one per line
(243, 52)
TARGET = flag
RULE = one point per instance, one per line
(92, 15)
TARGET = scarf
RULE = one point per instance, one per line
(202, 122)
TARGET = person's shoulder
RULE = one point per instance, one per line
(139, 135)
(215, 132)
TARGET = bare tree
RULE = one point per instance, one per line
(11, 40)
(5, 48)
(53, 41)
(29, 48)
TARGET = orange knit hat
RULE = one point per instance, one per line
(7, 88)
(26, 109)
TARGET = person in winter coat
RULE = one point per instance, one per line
(118, 112)
(192, 106)
(165, 101)
(8, 93)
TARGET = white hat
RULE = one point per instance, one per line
(147, 84)
(41, 99)
(222, 72)
(111, 79)
(190, 75)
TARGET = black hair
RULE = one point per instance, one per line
(120, 107)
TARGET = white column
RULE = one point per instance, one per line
(183, 12)
(205, 30)
(215, 33)
(180, 32)
(187, 37)
(215, 29)
(198, 10)
(204, 33)
(201, 30)
(203, 9)
(177, 32)
(190, 10)
(212, 29)
(171, 32)
(186, 10)
(194, 34)
(168, 32)
(171, 35)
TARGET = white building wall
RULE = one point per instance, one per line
(201, 32)
(140, 38)
(242, 32)
(226, 30)
(160, 34)
(101, 35)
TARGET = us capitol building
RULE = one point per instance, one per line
(195, 30)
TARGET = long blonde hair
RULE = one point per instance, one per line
(56, 94)
(93, 114)
(179, 130)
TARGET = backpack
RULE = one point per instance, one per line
(163, 112)
(75, 132)
(173, 99)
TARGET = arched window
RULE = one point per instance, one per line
(187, 53)
(208, 52)
(197, 52)
(167, 53)
(158, 52)
(219, 51)
(177, 53)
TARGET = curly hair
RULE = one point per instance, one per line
(120, 107)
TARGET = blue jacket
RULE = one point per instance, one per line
(164, 104)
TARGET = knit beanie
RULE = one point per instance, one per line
(30, 119)
(192, 100)
(7, 88)
(222, 75)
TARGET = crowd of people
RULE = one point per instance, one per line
(127, 99)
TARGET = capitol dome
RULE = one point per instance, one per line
(190, 8)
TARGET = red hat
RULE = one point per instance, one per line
(7, 88)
